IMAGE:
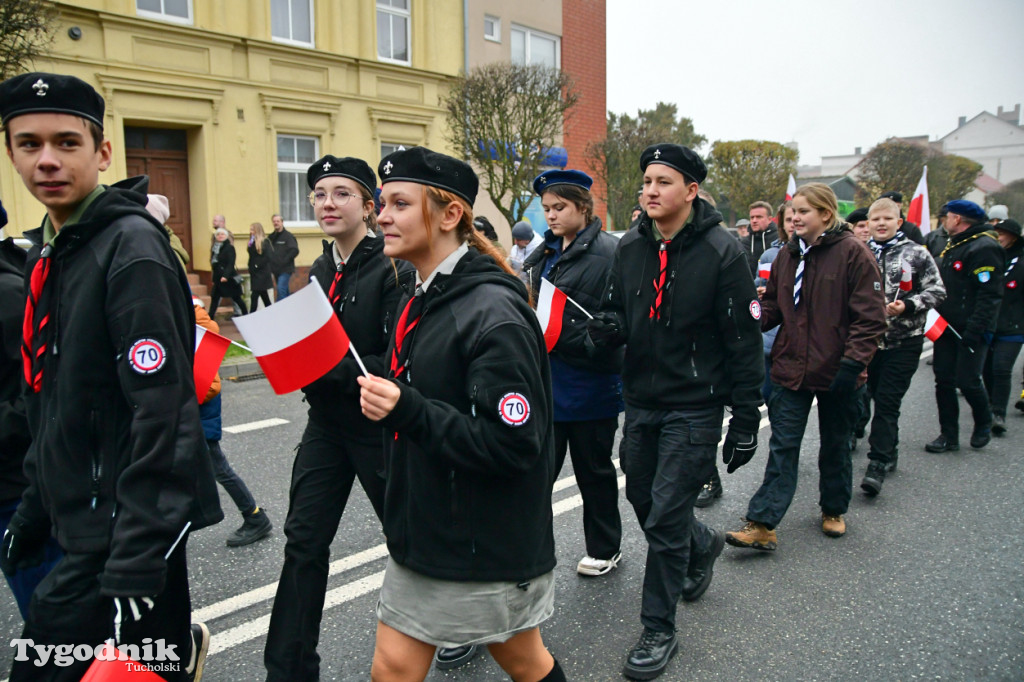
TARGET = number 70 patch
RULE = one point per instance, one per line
(514, 409)
(147, 356)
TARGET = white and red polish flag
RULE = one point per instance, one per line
(764, 270)
(550, 306)
(906, 276)
(919, 213)
(934, 325)
(790, 188)
(210, 350)
(297, 340)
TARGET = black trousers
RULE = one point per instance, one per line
(889, 378)
(68, 609)
(590, 445)
(957, 367)
(325, 467)
(667, 457)
(256, 296)
(998, 373)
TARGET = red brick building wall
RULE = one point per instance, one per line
(583, 58)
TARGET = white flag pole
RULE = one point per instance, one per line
(567, 297)
(359, 360)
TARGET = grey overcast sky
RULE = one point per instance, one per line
(830, 74)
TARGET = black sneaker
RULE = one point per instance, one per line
(455, 657)
(890, 466)
(943, 444)
(981, 435)
(255, 526)
(200, 646)
(651, 654)
(998, 425)
(873, 478)
(711, 491)
(698, 577)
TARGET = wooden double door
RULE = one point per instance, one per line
(162, 154)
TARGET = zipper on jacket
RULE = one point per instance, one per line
(732, 318)
(451, 492)
(97, 462)
(472, 401)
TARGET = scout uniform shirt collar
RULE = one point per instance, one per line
(660, 237)
(445, 267)
(50, 234)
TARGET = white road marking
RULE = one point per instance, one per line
(256, 426)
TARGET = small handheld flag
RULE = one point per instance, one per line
(210, 350)
(919, 213)
(934, 325)
(764, 270)
(550, 306)
(790, 188)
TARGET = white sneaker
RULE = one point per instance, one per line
(588, 565)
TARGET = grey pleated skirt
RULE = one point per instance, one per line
(449, 613)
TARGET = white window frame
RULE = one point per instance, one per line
(526, 42)
(494, 37)
(405, 14)
(291, 24)
(162, 16)
(299, 168)
(395, 145)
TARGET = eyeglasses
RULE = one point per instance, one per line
(339, 197)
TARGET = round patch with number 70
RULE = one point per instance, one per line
(514, 409)
(147, 356)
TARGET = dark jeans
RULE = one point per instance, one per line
(668, 457)
(232, 482)
(788, 411)
(998, 373)
(257, 296)
(67, 608)
(889, 378)
(957, 367)
(325, 467)
(590, 446)
(24, 582)
(215, 301)
(282, 285)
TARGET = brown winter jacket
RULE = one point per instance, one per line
(841, 312)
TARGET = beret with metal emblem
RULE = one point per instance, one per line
(426, 167)
(683, 159)
(561, 177)
(346, 167)
(49, 93)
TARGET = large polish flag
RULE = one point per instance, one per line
(919, 213)
(297, 340)
(210, 350)
(550, 306)
(790, 188)
(934, 325)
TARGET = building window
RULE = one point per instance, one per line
(492, 29)
(393, 26)
(169, 10)
(389, 148)
(534, 47)
(294, 156)
(291, 21)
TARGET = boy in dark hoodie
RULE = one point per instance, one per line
(117, 466)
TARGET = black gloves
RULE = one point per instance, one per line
(20, 551)
(846, 377)
(741, 440)
(604, 330)
(973, 341)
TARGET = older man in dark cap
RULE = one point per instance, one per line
(680, 296)
(118, 466)
(971, 265)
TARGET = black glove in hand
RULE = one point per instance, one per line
(973, 341)
(130, 610)
(20, 552)
(846, 377)
(738, 449)
(604, 330)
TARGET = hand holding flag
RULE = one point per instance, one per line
(550, 307)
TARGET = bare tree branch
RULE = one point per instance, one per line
(26, 32)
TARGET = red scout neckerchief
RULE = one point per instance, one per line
(33, 345)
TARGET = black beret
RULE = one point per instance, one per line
(562, 177)
(1009, 225)
(426, 167)
(683, 159)
(965, 208)
(895, 196)
(346, 167)
(50, 93)
(857, 215)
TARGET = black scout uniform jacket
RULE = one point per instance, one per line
(470, 443)
(1011, 310)
(703, 347)
(972, 269)
(366, 296)
(118, 462)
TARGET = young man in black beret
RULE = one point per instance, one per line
(117, 467)
(680, 296)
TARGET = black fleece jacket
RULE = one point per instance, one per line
(118, 462)
(470, 443)
(14, 436)
(705, 349)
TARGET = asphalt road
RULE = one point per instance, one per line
(927, 584)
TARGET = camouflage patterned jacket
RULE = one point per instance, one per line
(926, 289)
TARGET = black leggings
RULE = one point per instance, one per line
(263, 294)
